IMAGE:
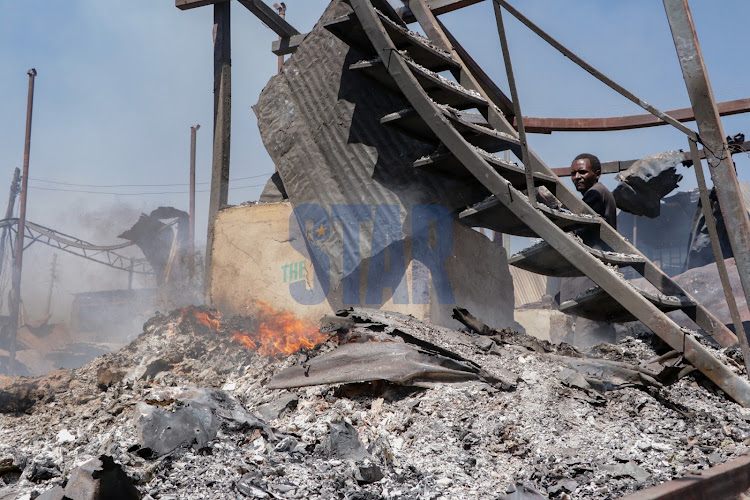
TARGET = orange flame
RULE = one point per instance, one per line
(210, 320)
(280, 333)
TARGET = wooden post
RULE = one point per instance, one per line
(15, 292)
(222, 128)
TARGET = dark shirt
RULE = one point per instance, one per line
(600, 199)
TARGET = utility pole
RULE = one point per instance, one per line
(222, 128)
(15, 292)
(9, 213)
(52, 277)
(193, 130)
(281, 9)
(711, 135)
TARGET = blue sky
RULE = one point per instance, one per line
(120, 82)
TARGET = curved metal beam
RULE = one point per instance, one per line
(610, 123)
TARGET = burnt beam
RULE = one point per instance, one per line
(288, 45)
(437, 7)
(191, 4)
(270, 18)
(222, 128)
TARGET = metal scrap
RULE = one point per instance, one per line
(395, 362)
(646, 182)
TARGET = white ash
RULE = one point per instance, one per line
(450, 441)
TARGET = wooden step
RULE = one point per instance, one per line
(440, 89)
(447, 163)
(492, 214)
(598, 305)
(470, 125)
(419, 49)
(545, 260)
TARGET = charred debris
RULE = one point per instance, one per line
(407, 410)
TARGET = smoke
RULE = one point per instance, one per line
(74, 275)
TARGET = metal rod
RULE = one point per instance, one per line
(15, 292)
(713, 234)
(712, 137)
(191, 236)
(594, 72)
(528, 168)
(222, 128)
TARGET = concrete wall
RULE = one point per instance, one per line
(257, 258)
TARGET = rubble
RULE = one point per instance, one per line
(552, 434)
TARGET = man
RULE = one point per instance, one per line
(585, 172)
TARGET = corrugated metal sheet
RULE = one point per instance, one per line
(528, 287)
(745, 188)
(320, 122)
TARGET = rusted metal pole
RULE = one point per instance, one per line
(9, 213)
(713, 234)
(15, 292)
(222, 128)
(712, 137)
(191, 243)
(281, 9)
(526, 160)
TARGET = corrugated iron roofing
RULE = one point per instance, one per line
(528, 287)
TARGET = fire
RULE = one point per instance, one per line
(210, 320)
(280, 333)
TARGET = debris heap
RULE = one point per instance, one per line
(186, 411)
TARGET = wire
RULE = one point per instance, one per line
(138, 185)
(136, 194)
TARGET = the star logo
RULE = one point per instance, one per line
(321, 231)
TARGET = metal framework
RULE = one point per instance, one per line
(510, 211)
(106, 255)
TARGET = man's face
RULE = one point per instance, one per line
(583, 175)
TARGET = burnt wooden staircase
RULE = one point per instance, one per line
(407, 63)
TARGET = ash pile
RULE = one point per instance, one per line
(371, 405)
